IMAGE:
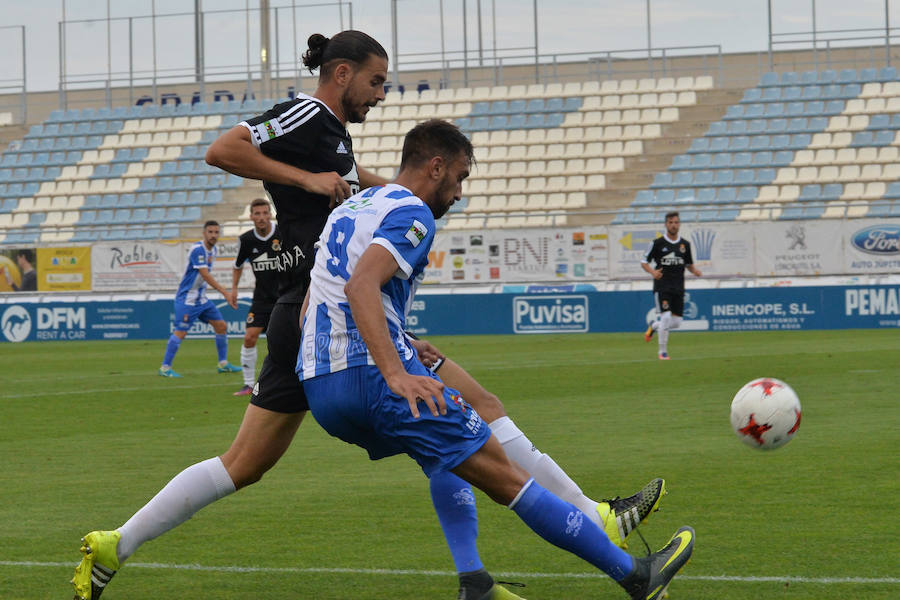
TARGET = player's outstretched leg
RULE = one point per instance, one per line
(649, 333)
(98, 564)
(652, 574)
(621, 516)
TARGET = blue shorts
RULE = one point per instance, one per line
(186, 314)
(357, 406)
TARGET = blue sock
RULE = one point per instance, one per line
(454, 504)
(565, 526)
(222, 346)
(171, 349)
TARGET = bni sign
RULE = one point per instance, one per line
(550, 314)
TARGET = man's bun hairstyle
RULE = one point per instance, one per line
(351, 45)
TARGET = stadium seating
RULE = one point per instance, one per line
(799, 145)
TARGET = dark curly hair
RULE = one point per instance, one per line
(350, 45)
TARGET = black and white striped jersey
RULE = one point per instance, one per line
(306, 134)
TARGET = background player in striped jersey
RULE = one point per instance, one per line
(304, 155)
(671, 255)
(259, 246)
(364, 381)
(191, 302)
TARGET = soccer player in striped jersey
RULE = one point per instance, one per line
(304, 155)
(191, 302)
(364, 382)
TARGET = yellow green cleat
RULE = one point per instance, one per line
(621, 516)
(99, 563)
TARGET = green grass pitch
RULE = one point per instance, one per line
(88, 433)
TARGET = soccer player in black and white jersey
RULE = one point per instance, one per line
(303, 153)
(259, 246)
(671, 255)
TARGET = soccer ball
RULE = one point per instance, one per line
(765, 413)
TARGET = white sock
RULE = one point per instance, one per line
(540, 466)
(248, 364)
(664, 326)
(189, 491)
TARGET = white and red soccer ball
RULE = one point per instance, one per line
(765, 413)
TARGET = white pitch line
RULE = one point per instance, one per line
(116, 390)
(300, 570)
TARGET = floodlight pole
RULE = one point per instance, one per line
(394, 43)
(769, 11)
(887, 34)
(537, 59)
(814, 40)
(649, 42)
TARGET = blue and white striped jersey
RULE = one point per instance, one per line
(397, 220)
(192, 289)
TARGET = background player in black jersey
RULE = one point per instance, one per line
(303, 154)
(259, 246)
(671, 255)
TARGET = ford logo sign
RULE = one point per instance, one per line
(878, 239)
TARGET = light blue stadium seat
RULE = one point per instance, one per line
(764, 176)
(139, 215)
(109, 201)
(810, 193)
(175, 213)
(771, 94)
(880, 121)
(793, 92)
(535, 121)
(643, 198)
(192, 213)
(769, 79)
(782, 158)
(480, 123)
(742, 159)
(480, 109)
(813, 108)
(884, 137)
(662, 179)
(684, 178)
(832, 191)
(498, 122)
(722, 160)
(893, 190)
(213, 197)
(665, 197)
(726, 195)
(735, 111)
(126, 200)
(143, 199)
(827, 76)
(756, 126)
(182, 182)
(9, 160)
(879, 208)
(834, 107)
(720, 127)
(754, 111)
(572, 104)
(752, 95)
(162, 199)
(555, 119)
(167, 168)
(774, 109)
(797, 125)
(499, 107)
(724, 177)
(36, 219)
(101, 171)
(706, 195)
(122, 215)
(744, 177)
(554, 105)
(104, 216)
(720, 144)
(87, 217)
(83, 128)
(862, 139)
(747, 193)
(847, 76)
(702, 178)
(15, 190)
(7, 205)
(702, 160)
(790, 78)
(850, 90)
(700, 144)
(776, 126)
(811, 92)
(157, 214)
(791, 212)
(738, 126)
(887, 74)
(759, 142)
(780, 142)
(831, 91)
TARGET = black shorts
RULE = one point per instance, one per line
(670, 301)
(278, 388)
(259, 315)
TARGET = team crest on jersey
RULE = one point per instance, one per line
(416, 233)
(276, 245)
(458, 401)
(249, 318)
(681, 248)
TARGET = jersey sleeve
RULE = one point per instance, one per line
(407, 232)
(289, 124)
(198, 258)
(650, 254)
(243, 253)
(688, 256)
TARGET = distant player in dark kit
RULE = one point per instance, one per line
(260, 246)
(671, 255)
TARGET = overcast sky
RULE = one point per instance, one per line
(563, 26)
